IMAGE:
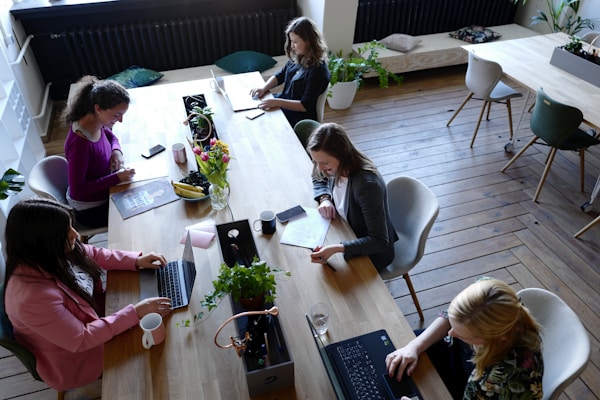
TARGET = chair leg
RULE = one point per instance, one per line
(485, 103)
(460, 108)
(587, 227)
(512, 160)
(510, 121)
(489, 108)
(413, 295)
(60, 395)
(545, 173)
(581, 168)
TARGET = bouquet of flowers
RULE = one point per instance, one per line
(213, 161)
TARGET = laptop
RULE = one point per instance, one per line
(356, 368)
(175, 280)
(237, 95)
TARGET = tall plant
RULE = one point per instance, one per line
(562, 16)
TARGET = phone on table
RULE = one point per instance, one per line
(290, 213)
(254, 114)
(154, 150)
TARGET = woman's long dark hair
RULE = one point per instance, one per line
(37, 237)
(316, 51)
(107, 94)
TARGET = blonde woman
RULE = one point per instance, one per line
(488, 318)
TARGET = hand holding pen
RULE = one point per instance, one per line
(319, 258)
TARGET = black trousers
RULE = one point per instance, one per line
(96, 217)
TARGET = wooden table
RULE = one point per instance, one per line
(269, 170)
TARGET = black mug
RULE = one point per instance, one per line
(267, 223)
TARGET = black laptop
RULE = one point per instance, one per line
(175, 280)
(356, 368)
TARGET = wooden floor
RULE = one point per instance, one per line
(488, 224)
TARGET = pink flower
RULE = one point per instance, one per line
(197, 150)
(204, 156)
(225, 158)
(213, 141)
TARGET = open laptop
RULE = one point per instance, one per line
(356, 368)
(175, 280)
(238, 96)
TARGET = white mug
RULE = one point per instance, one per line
(179, 153)
(154, 330)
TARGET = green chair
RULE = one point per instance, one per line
(557, 125)
(7, 340)
(304, 128)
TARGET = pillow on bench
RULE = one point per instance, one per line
(475, 34)
(400, 42)
(245, 61)
(135, 76)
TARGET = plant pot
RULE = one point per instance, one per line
(342, 95)
(575, 65)
(254, 303)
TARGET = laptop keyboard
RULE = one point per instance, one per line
(168, 284)
(361, 371)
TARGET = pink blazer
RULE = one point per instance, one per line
(59, 327)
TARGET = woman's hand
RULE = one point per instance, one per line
(268, 104)
(126, 174)
(404, 359)
(321, 255)
(327, 209)
(259, 92)
(116, 160)
(151, 261)
(161, 305)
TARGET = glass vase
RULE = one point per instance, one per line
(218, 196)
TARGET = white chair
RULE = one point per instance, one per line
(591, 37)
(49, 179)
(321, 104)
(413, 209)
(483, 81)
(566, 347)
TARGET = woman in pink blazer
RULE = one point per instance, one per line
(54, 297)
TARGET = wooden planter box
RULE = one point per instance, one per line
(575, 65)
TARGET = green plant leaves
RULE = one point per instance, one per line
(11, 183)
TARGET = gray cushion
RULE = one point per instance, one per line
(400, 42)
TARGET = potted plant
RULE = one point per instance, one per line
(347, 73)
(561, 16)
(201, 122)
(573, 58)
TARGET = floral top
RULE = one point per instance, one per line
(517, 377)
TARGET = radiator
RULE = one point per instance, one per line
(174, 43)
(377, 19)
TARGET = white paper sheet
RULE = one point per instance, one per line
(148, 169)
(308, 230)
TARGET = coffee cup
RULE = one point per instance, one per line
(267, 223)
(154, 330)
(179, 153)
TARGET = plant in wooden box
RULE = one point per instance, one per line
(347, 73)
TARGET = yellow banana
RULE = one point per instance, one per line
(190, 194)
(187, 186)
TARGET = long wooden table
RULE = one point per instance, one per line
(269, 170)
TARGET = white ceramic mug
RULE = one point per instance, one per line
(179, 153)
(154, 330)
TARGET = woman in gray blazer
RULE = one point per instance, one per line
(347, 184)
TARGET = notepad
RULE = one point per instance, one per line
(308, 230)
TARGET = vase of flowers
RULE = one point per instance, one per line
(213, 162)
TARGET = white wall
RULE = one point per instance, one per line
(335, 18)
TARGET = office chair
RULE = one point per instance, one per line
(49, 179)
(7, 340)
(413, 209)
(321, 103)
(557, 125)
(566, 347)
(304, 128)
(483, 81)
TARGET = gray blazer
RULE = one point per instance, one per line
(367, 215)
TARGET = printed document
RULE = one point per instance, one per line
(308, 230)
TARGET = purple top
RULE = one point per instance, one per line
(89, 165)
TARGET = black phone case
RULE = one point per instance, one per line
(153, 151)
(290, 213)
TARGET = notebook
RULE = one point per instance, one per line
(175, 280)
(238, 96)
(356, 368)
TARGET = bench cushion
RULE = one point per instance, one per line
(245, 61)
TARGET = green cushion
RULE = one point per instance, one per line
(135, 76)
(245, 61)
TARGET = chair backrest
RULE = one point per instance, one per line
(566, 344)
(304, 128)
(482, 76)
(321, 103)
(591, 37)
(552, 121)
(7, 340)
(49, 178)
(413, 208)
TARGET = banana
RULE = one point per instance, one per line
(187, 186)
(190, 194)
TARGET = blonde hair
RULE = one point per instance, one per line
(490, 310)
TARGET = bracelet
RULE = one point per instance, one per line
(324, 197)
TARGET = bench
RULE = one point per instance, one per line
(439, 50)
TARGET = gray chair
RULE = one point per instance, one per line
(49, 179)
(483, 81)
(413, 209)
(321, 104)
(566, 347)
(557, 125)
(304, 128)
(7, 340)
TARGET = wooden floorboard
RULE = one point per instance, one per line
(488, 224)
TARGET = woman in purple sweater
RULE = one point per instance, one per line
(92, 150)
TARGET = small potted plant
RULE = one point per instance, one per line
(201, 121)
(347, 73)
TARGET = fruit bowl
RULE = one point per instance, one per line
(193, 187)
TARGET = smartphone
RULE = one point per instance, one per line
(152, 151)
(254, 114)
(290, 213)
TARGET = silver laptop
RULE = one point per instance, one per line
(175, 280)
(237, 95)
